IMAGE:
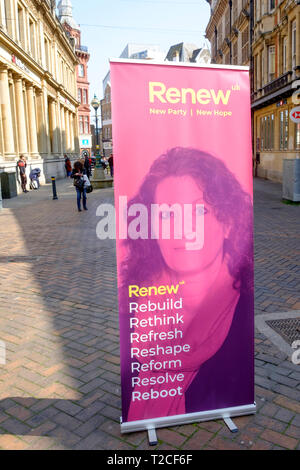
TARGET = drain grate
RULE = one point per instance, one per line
(288, 329)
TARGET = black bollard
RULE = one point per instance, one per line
(54, 188)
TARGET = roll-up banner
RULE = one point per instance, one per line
(184, 213)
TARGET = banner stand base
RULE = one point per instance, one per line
(150, 425)
(152, 437)
(230, 424)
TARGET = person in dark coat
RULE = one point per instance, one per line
(87, 166)
(22, 164)
(68, 166)
(111, 165)
(80, 182)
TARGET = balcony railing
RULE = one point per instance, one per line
(82, 48)
(277, 83)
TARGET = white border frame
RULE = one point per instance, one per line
(181, 64)
(167, 421)
(224, 413)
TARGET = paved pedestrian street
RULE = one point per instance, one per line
(60, 386)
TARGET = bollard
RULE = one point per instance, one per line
(54, 187)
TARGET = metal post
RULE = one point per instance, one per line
(1, 206)
(54, 188)
(97, 140)
(251, 26)
(230, 26)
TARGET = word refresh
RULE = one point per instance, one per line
(160, 92)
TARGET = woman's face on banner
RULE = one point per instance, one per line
(177, 253)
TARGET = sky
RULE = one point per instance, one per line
(107, 26)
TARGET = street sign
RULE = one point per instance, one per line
(295, 115)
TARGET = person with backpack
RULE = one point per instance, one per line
(81, 182)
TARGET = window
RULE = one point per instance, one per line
(256, 71)
(267, 132)
(85, 97)
(294, 44)
(21, 25)
(234, 11)
(271, 5)
(227, 23)
(81, 70)
(79, 95)
(284, 56)
(257, 8)
(297, 136)
(46, 46)
(235, 53)
(245, 45)
(32, 48)
(80, 124)
(271, 63)
(284, 129)
(8, 16)
(86, 125)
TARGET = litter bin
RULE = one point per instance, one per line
(8, 185)
(291, 180)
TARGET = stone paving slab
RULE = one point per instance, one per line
(60, 387)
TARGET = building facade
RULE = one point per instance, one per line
(276, 78)
(38, 114)
(264, 34)
(131, 51)
(107, 143)
(72, 29)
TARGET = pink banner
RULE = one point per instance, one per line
(183, 197)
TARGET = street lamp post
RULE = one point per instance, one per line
(95, 104)
(99, 179)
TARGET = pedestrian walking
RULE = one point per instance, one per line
(68, 166)
(22, 164)
(111, 165)
(87, 166)
(81, 182)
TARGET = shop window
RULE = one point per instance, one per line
(267, 132)
(284, 129)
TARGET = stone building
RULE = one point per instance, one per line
(186, 52)
(131, 51)
(72, 29)
(264, 34)
(107, 144)
(38, 114)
